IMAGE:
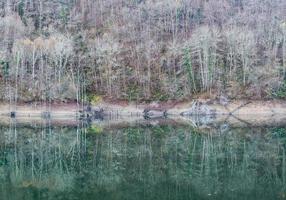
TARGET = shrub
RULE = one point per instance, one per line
(280, 92)
(94, 99)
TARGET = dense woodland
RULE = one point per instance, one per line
(139, 50)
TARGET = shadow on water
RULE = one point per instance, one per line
(141, 162)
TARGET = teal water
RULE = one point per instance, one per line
(141, 162)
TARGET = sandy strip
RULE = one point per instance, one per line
(236, 113)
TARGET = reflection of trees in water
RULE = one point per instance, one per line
(149, 161)
(40, 157)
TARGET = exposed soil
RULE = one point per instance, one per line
(241, 109)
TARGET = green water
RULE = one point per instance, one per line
(142, 162)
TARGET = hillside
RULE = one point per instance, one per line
(142, 50)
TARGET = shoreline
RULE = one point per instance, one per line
(199, 122)
(198, 113)
(195, 107)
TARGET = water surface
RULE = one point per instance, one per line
(141, 162)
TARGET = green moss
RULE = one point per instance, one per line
(160, 96)
(187, 63)
(94, 129)
(64, 15)
(280, 93)
(5, 68)
(133, 93)
(21, 9)
(94, 99)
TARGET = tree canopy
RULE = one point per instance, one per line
(142, 49)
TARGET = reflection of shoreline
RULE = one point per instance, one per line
(126, 121)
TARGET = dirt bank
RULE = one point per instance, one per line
(201, 107)
(195, 107)
(202, 122)
(35, 110)
(197, 113)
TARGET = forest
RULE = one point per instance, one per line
(142, 50)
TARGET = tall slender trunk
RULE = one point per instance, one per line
(16, 79)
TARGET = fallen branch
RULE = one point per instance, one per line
(239, 107)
